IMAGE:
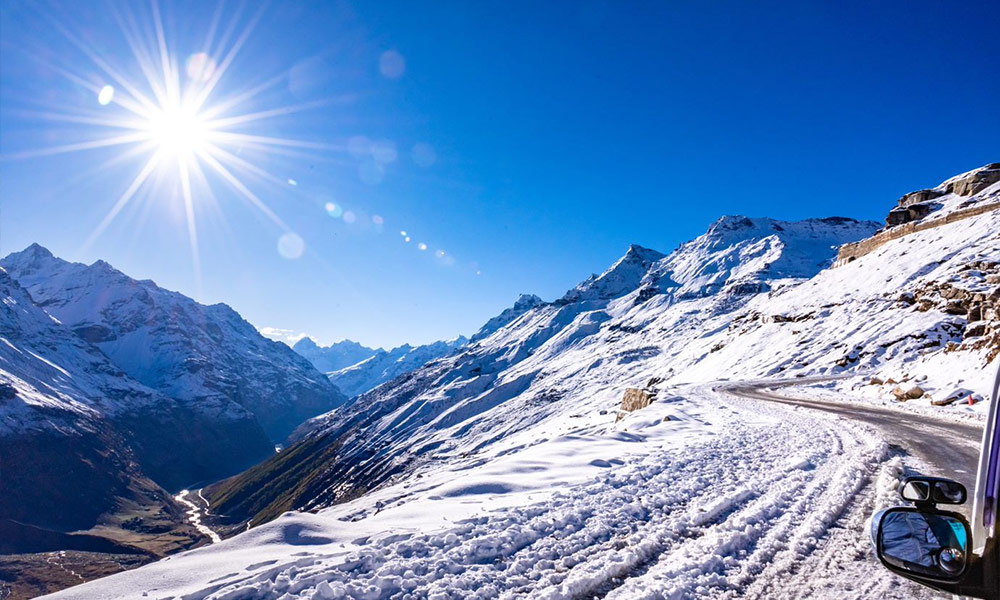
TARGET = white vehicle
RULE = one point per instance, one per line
(938, 548)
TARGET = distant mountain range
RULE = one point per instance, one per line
(356, 369)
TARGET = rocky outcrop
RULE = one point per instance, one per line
(977, 299)
(855, 250)
(972, 183)
(909, 213)
(636, 398)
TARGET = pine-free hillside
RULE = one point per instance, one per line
(355, 369)
(507, 467)
(541, 361)
(386, 365)
(333, 357)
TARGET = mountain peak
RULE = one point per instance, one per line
(29, 258)
(526, 301)
(36, 249)
(621, 278)
(636, 252)
(731, 223)
(305, 344)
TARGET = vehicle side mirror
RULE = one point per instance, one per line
(925, 545)
(932, 490)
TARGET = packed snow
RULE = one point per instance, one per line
(666, 503)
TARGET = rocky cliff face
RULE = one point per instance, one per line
(915, 206)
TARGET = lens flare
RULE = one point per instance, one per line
(178, 131)
(391, 64)
(106, 95)
(291, 246)
(333, 210)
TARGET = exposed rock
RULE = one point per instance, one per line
(900, 394)
(636, 398)
(977, 329)
(959, 394)
(977, 181)
(876, 381)
(919, 197)
(915, 392)
(910, 213)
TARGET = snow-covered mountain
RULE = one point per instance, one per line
(522, 373)
(207, 357)
(523, 304)
(333, 357)
(503, 469)
(77, 435)
(114, 391)
(355, 369)
(385, 365)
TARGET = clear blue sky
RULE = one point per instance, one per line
(548, 136)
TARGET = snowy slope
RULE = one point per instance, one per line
(534, 368)
(501, 470)
(523, 304)
(206, 356)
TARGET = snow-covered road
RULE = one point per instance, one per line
(948, 447)
(730, 497)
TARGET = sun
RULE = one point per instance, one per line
(178, 131)
(170, 110)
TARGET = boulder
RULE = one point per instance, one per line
(636, 398)
(918, 197)
(914, 392)
(954, 396)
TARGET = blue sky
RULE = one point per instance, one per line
(529, 142)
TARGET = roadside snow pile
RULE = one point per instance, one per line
(645, 508)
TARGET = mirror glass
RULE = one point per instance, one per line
(916, 490)
(933, 489)
(948, 492)
(924, 544)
